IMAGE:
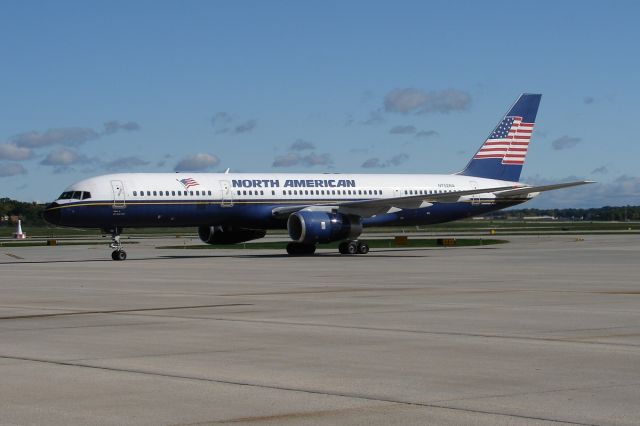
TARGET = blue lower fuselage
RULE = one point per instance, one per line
(255, 214)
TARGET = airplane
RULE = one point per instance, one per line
(315, 208)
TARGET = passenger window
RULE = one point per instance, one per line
(208, 192)
(173, 193)
(273, 192)
(179, 192)
(191, 193)
(333, 192)
(155, 193)
(135, 193)
(244, 192)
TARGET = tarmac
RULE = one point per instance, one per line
(542, 330)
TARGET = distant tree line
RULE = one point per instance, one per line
(12, 210)
(607, 213)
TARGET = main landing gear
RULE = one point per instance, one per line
(345, 247)
(353, 247)
(118, 253)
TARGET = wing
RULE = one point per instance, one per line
(366, 208)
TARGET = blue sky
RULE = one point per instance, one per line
(379, 87)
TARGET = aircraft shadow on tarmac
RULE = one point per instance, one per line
(377, 254)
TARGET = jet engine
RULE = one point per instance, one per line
(310, 227)
(228, 235)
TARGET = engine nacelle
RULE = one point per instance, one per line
(228, 234)
(322, 227)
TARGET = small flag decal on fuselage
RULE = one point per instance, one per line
(188, 182)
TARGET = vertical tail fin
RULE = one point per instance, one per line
(502, 155)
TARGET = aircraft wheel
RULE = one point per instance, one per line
(363, 248)
(352, 247)
(342, 247)
(118, 255)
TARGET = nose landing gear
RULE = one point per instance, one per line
(118, 253)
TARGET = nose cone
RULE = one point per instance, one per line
(52, 214)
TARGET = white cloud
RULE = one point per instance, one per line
(403, 130)
(10, 151)
(376, 163)
(197, 162)
(416, 101)
(111, 127)
(565, 142)
(301, 145)
(62, 157)
(427, 134)
(11, 169)
(61, 136)
(125, 163)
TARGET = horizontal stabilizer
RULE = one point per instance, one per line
(531, 189)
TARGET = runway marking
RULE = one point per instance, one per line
(121, 311)
(294, 389)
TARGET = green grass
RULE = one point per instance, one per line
(377, 243)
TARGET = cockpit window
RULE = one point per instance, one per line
(74, 195)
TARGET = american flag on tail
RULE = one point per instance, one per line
(188, 182)
(509, 141)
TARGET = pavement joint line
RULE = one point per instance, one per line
(291, 389)
(120, 311)
(399, 330)
(15, 256)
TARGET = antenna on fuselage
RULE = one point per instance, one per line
(226, 172)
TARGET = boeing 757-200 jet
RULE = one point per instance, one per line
(229, 208)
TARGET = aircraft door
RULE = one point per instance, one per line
(475, 198)
(226, 198)
(118, 194)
